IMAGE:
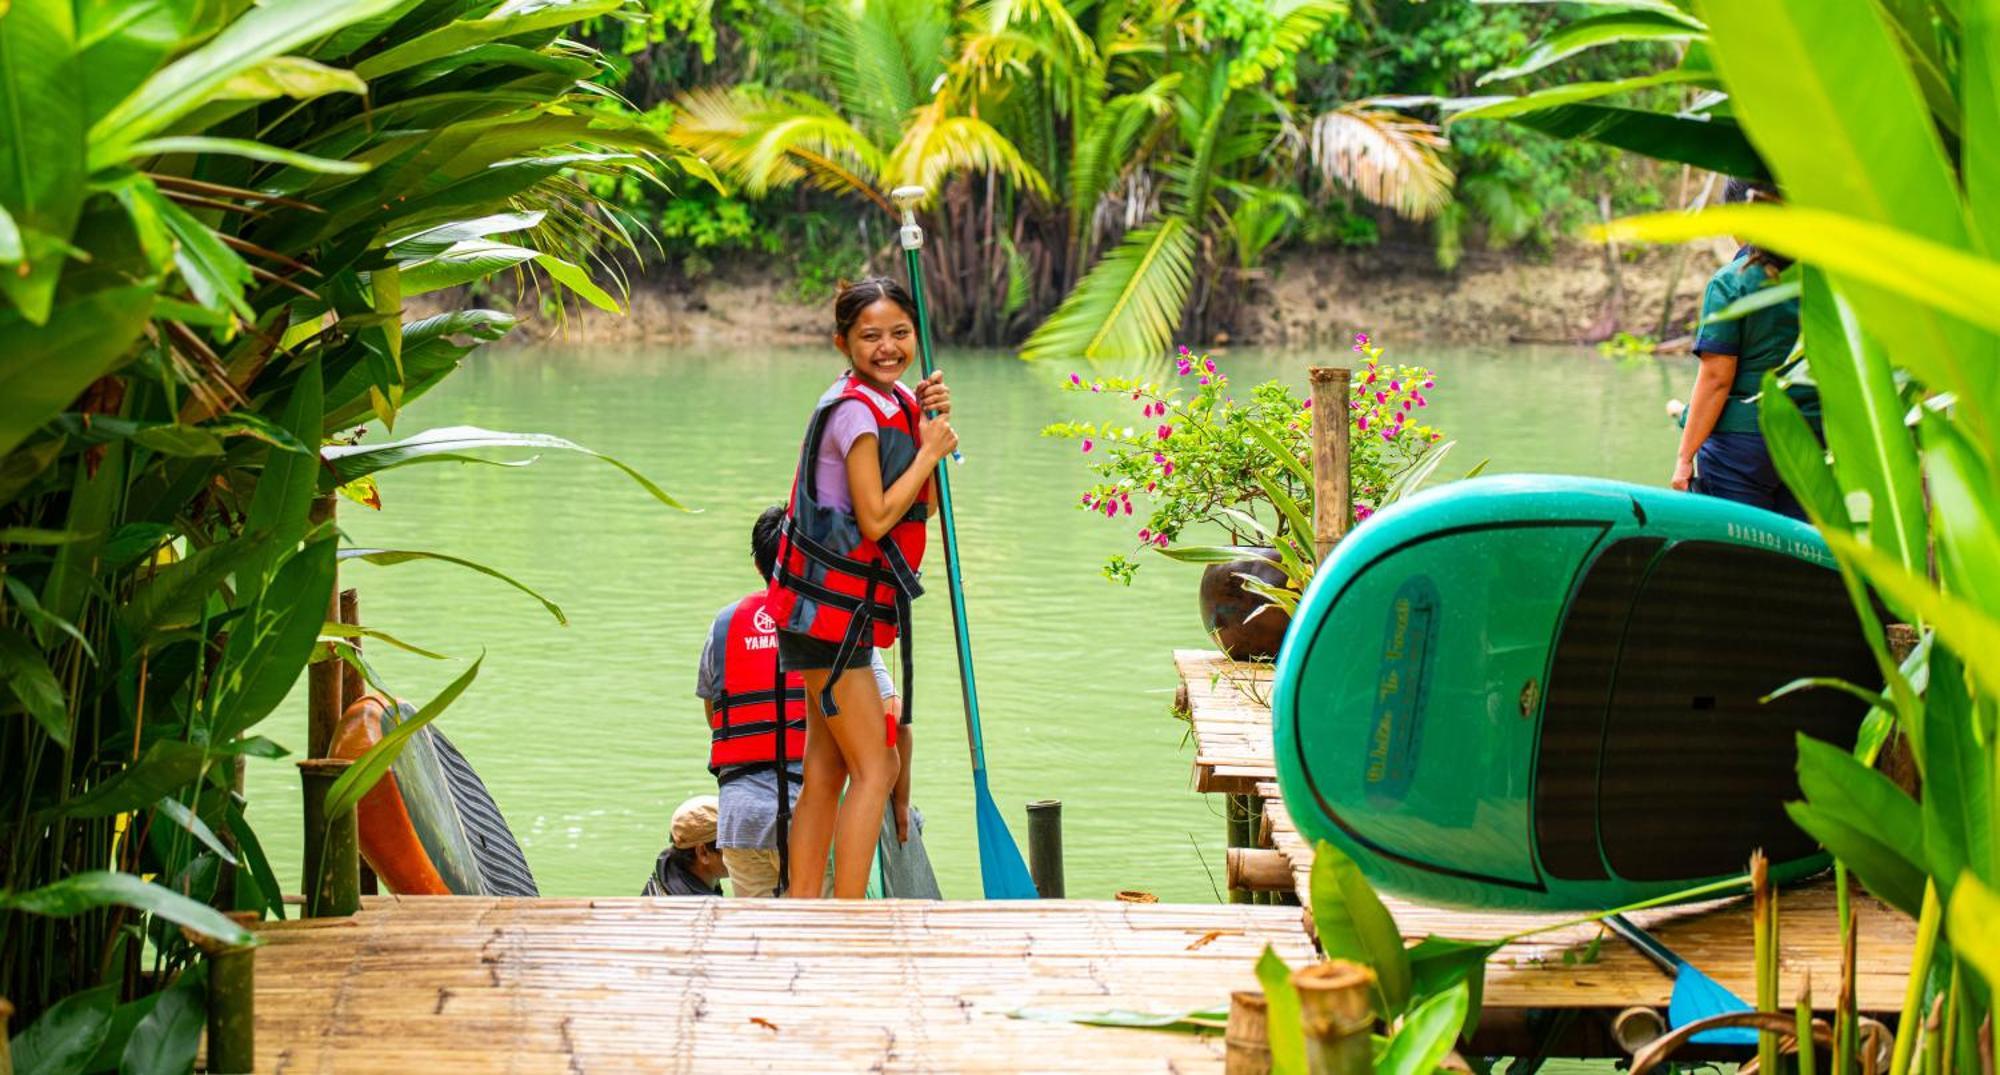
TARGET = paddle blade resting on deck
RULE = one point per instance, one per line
(1697, 996)
(1001, 867)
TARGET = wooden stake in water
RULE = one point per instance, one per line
(323, 676)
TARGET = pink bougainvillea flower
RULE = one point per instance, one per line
(1395, 386)
(1127, 505)
(1361, 423)
(1160, 540)
(1406, 404)
(1308, 405)
(1165, 432)
(1145, 536)
(1437, 436)
(1430, 383)
(1203, 382)
(1182, 366)
(1158, 458)
(1150, 486)
(1361, 338)
(1389, 434)
(1362, 511)
(1381, 397)
(1208, 364)
(1183, 351)
(1086, 444)
(1086, 500)
(1167, 470)
(1096, 386)
(1076, 378)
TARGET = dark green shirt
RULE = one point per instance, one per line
(1761, 341)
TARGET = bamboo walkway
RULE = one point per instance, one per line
(450, 984)
(1228, 700)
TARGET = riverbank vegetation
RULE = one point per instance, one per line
(208, 235)
(1107, 171)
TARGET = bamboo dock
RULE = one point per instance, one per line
(631, 984)
(1228, 705)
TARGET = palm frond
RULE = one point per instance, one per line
(764, 143)
(1128, 305)
(1105, 148)
(884, 57)
(1299, 21)
(937, 146)
(1387, 158)
(1031, 16)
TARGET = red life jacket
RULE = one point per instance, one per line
(833, 584)
(743, 722)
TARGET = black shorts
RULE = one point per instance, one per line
(804, 653)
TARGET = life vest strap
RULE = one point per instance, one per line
(899, 573)
(725, 732)
(846, 602)
(731, 774)
(727, 700)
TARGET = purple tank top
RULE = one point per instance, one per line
(844, 426)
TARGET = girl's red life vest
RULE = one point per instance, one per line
(743, 722)
(831, 583)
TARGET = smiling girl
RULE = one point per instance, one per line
(848, 554)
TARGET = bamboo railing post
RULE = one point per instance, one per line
(323, 676)
(1045, 847)
(1241, 831)
(351, 689)
(1336, 1010)
(332, 846)
(1333, 499)
(232, 1003)
(1247, 1041)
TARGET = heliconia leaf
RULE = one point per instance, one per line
(1284, 1024)
(1712, 142)
(43, 180)
(102, 888)
(166, 1040)
(262, 32)
(374, 763)
(166, 767)
(239, 147)
(1611, 28)
(270, 647)
(1353, 924)
(391, 557)
(27, 675)
(1420, 1044)
(463, 34)
(436, 240)
(349, 462)
(1567, 94)
(1973, 922)
(66, 1036)
(177, 812)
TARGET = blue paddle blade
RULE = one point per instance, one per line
(1697, 996)
(1001, 868)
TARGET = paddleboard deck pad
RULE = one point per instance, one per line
(1532, 692)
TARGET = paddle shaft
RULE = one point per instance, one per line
(913, 261)
(1647, 944)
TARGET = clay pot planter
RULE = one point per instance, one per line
(1226, 607)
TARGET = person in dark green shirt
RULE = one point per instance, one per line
(1722, 453)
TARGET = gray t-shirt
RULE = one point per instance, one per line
(747, 810)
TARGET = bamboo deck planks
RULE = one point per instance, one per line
(623, 985)
(1229, 703)
(1229, 709)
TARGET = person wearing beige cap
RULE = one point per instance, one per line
(691, 865)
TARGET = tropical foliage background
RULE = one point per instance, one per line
(211, 219)
(1110, 169)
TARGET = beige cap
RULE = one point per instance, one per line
(694, 822)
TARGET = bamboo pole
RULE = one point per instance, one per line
(1764, 939)
(323, 676)
(232, 1004)
(1236, 815)
(351, 689)
(1256, 869)
(332, 846)
(1337, 1012)
(1045, 847)
(1247, 1041)
(1333, 499)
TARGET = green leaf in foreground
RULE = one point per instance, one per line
(1353, 924)
(101, 888)
(1427, 1035)
(391, 557)
(367, 770)
(1284, 1025)
(67, 1035)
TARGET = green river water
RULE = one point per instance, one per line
(589, 734)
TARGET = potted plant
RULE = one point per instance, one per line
(1203, 457)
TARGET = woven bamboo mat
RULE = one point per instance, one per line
(449, 984)
(1548, 971)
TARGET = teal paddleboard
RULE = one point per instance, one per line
(1532, 692)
